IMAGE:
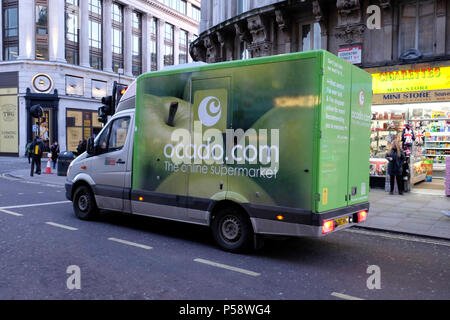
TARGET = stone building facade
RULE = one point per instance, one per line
(236, 29)
(404, 44)
(66, 54)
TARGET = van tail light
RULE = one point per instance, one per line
(328, 226)
(362, 216)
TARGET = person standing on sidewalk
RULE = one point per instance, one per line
(37, 148)
(54, 150)
(28, 152)
(396, 159)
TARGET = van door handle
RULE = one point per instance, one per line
(120, 161)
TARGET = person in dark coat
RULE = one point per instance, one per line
(28, 152)
(54, 149)
(37, 148)
(396, 160)
(81, 147)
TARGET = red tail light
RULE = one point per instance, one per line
(328, 226)
(362, 216)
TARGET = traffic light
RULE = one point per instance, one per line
(118, 91)
(110, 102)
(36, 111)
(106, 110)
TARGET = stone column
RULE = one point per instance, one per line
(189, 58)
(388, 33)
(160, 43)
(204, 16)
(107, 35)
(84, 34)
(27, 36)
(440, 27)
(57, 30)
(176, 45)
(146, 64)
(128, 40)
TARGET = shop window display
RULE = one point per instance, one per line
(424, 130)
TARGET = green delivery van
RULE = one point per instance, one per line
(268, 146)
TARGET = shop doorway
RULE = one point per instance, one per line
(47, 125)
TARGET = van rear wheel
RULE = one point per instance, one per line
(232, 230)
(84, 204)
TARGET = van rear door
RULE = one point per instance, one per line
(359, 149)
(333, 137)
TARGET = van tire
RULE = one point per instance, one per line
(84, 204)
(232, 230)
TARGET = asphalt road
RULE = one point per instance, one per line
(132, 257)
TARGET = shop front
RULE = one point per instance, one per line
(412, 103)
(80, 125)
(9, 114)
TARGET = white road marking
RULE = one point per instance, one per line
(399, 237)
(11, 213)
(35, 205)
(223, 266)
(61, 226)
(344, 296)
(130, 243)
(20, 193)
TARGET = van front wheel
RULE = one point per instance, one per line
(84, 204)
(232, 230)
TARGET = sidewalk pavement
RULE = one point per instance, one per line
(52, 178)
(413, 213)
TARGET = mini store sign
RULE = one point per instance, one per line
(411, 85)
(420, 79)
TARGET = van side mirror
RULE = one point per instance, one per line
(90, 148)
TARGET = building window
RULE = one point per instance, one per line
(41, 23)
(178, 5)
(10, 30)
(74, 86)
(417, 28)
(117, 37)
(244, 52)
(99, 89)
(95, 7)
(72, 32)
(95, 34)
(195, 13)
(153, 46)
(168, 44)
(183, 57)
(137, 44)
(243, 6)
(80, 124)
(311, 37)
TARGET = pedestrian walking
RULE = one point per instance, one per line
(396, 160)
(37, 148)
(28, 152)
(54, 149)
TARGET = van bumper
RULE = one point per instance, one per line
(300, 223)
(68, 186)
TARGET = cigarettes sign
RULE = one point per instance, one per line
(351, 54)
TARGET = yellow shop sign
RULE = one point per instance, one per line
(420, 79)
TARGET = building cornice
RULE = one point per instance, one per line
(66, 66)
(163, 8)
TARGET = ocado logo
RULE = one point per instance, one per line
(209, 111)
